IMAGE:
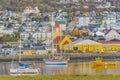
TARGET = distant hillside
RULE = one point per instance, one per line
(43, 5)
(19, 5)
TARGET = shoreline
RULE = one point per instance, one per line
(63, 77)
(73, 57)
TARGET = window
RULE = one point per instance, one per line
(75, 48)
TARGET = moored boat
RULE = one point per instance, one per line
(23, 69)
(55, 61)
(99, 62)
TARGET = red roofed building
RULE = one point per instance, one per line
(60, 41)
(111, 45)
(110, 42)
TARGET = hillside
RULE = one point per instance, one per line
(19, 5)
(46, 5)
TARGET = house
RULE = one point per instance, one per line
(25, 35)
(60, 41)
(113, 45)
(40, 48)
(31, 10)
(7, 50)
(84, 45)
(83, 32)
(98, 35)
(112, 34)
(115, 25)
(42, 36)
(83, 21)
(7, 31)
(110, 18)
(25, 51)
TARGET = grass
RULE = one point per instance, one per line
(63, 77)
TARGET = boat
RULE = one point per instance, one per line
(97, 62)
(100, 62)
(22, 68)
(55, 61)
(110, 63)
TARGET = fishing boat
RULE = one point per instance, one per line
(97, 62)
(100, 62)
(56, 61)
(22, 68)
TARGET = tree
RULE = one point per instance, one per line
(74, 32)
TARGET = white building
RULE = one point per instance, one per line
(42, 36)
(31, 10)
(110, 18)
(83, 21)
(112, 34)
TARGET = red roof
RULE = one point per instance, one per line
(56, 24)
(58, 39)
(110, 42)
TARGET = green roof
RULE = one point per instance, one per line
(62, 21)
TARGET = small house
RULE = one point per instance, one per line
(112, 34)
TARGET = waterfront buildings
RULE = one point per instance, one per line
(99, 23)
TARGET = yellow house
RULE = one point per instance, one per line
(85, 45)
(111, 45)
(60, 41)
(26, 52)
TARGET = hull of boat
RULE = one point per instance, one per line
(111, 63)
(97, 63)
(55, 62)
(101, 63)
(23, 71)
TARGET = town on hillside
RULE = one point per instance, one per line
(76, 26)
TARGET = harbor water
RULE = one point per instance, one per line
(83, 68)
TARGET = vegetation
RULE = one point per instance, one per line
(63, 77)
(9, 39)
(19, 5)
(7, 46)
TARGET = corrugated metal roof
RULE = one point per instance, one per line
(77, 41)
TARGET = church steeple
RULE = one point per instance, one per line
(56, 29)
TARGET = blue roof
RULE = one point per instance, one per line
(26, 48)
(38, 44)
(40, 48)
(32, 48)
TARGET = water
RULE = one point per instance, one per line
(71, 68)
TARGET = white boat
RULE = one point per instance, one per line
(23, 68)
(23, 71)
(55, 61)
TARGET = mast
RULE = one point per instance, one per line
(52, 34)
(20, 31)
(20, 49)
